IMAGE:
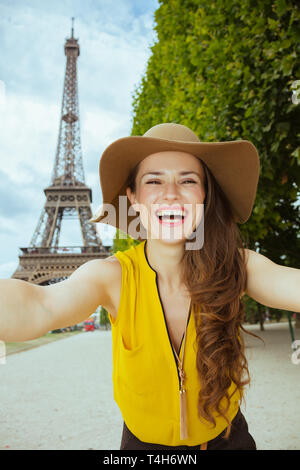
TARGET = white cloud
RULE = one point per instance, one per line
(114, 49)
(27, 124)
(101, 128)
(7, 269)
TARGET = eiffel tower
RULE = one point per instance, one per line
(44, 261)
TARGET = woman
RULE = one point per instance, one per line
(174, 303)
(161, 172)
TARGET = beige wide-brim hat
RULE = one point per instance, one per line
(234, 164)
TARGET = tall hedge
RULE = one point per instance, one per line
(225, 69)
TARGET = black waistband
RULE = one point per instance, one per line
(239, 436)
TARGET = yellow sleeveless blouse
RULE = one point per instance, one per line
(146, 379)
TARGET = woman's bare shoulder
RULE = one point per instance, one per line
(113, 261)
(110, 268)
(112, 258)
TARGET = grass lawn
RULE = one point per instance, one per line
(13, 348)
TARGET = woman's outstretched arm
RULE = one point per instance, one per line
(28, 311)
(271, 284)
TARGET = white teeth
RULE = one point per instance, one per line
(169, 212)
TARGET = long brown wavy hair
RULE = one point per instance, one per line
(216, 278)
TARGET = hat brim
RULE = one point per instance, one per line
(234, 164)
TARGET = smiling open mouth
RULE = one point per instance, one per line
(172, 220)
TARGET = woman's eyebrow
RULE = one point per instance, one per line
(162, 172)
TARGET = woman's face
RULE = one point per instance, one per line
(161, 184)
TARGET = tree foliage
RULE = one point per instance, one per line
(122, 244)
(225, 69)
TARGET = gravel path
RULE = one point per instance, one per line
(60, 395)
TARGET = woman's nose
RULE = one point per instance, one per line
(170, 189)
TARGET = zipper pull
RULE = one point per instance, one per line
(183, 417)
(182, 376)
(183, 412)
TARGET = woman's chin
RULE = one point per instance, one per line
(170, 234)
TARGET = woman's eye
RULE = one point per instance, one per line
(186, 181)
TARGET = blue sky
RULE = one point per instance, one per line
(115, 40)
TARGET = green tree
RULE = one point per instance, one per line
(225, 69)
(122, 244)
(104, 320)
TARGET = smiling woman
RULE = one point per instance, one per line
(168, 198)
(209, 187)
(214, 276)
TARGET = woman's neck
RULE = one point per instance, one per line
(165, 259)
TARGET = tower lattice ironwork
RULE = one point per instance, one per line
(44, 261)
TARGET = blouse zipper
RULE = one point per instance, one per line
(183, 412)
(170, 342)
(179, 378)
(179, 367)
